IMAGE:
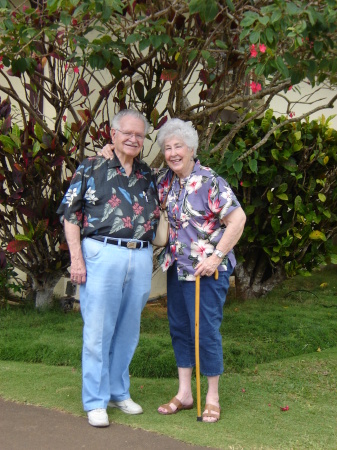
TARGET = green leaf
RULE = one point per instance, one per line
(316, 235)
(292, 9)
(238, 166)
(207, 10)
(192, 55)
(15, 139)
(38, 131)
(275, 259)
(290, 165)
(253, 165)
(36, 148)
(254, 37)
(230, 5)
(263, 19)
(20, 65)
(282, 196)
(8, 144)
(276, 16)
(65, 18)
(282, 68)
(322, 197)
(333, 259)
(270, 35)
(270, 196)
(205, 54)
(275, 223)
(298, 203)
(22, 237)
(132, 38)
(249, 19)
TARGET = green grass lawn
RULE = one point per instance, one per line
(279, 351)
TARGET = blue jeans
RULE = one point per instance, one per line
(112, 299)
(181, 315)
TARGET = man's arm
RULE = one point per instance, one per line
(77, 269)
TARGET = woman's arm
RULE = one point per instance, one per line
(235, 223)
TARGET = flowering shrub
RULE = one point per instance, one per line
(288, 189)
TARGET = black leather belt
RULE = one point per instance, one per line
(116, 241)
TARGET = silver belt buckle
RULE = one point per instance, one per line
(131, 244)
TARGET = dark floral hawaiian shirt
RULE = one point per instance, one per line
(103, 200)
(195, 207)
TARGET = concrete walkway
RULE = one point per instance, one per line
(34, 428)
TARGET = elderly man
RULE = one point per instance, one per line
(113, 206)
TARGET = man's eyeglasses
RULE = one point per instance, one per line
(129, 135)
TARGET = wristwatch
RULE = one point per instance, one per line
(219, 253)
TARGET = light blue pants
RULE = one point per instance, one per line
(112, 299)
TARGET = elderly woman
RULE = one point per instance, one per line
(206, 221)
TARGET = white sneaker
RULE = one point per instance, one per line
(127, 406)
(98, 418)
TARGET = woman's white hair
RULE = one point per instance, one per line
(129, 112)
(179, 129)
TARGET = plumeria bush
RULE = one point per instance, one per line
(288, 190)
(66, 66)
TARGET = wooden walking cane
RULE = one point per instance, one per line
(197, 358)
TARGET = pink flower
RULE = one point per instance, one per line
(290, 88)
(262, 48)
(147, 225)
(137, 208)
(255, 87)
(284, 408)
(114, 201)
(66, 67)
(127, 222)
(64, 118)
(253, 51)
(76, 69)
(24, 8)
(291, 114)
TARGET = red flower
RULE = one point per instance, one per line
(147, 225)
(127, 222)
(253, 51)
(291, 114)
(284, 408)
(76, 69)
(137, 208)
(114, 201)
(255, 87)
(64, 118)
(262, 48)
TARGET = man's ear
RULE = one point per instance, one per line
(112, 134)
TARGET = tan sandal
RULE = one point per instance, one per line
(177, 403)
(211, 411)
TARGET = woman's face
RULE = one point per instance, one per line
(178, 156)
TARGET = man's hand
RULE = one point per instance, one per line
(107, 151)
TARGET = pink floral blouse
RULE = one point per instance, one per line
(195, 206)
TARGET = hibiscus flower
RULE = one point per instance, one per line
(201, 249)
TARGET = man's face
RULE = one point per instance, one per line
(129, 137)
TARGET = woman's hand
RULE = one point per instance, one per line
(208, 266)
(107, 151)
